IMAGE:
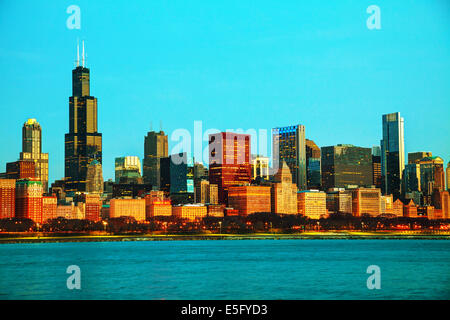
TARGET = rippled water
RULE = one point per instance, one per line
(229, 269)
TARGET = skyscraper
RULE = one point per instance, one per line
(178, 173)
(229, 161)
(283, 192)
(431, 175)
(448, 175)
(411, 178)
(260, 167)
(376, 171)
(346, 165)
(155, 147)
(392, 153)
(313, 167)
(32, 150)
(83, 143)
(376, 166)
(29, 199)
(128, 170)
(289, 145)
(414, 157)
(94, 178)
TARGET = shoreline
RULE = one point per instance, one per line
(343, 235)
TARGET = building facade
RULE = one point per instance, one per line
(431, 175)
(260, 168)
(29, 199)
(134, 208)
(448, 175)
(32, 150)
(411, 178)
(283, 192)
(366, 201)
(83, 143)
(49, 205)
(312, 204)
(289, 144)
(128, 170)
(376, 171)
(94, 177)
(392, 154)
(249, 199)
(206, 192)
(339, 201)
(156, 146)
(229, 161)
(313, 165)
(414, 157)
(346, 165)
(92, 207)
(21, 169)
(7, 198)
(190, 212)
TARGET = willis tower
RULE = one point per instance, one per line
(83, 144)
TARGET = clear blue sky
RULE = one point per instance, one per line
(232, 64)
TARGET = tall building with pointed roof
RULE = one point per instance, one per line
(94, 178)
(283, 192)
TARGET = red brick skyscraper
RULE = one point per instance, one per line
(229, 161)
(7, 198)
(29, 199)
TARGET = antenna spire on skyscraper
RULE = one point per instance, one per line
(78, 52)
(83, 54)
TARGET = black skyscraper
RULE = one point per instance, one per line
(83, 143)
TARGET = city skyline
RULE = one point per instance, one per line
(425, 111)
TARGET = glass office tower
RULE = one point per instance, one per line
(346, 166)
(392, 154)
(313, 167)
(156, 147)
(289, 145)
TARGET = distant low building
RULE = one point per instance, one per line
(49, 205)
(190, 212)
(157, 205)
(7, 198)
(216, 210)
(312, 204)
(206, 192)
(410, 210)
(93, 206)
(249, 199)
(339, 201)
(398, 208)
(127, 208)
(366, 201)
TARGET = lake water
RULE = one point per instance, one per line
(228, 269)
